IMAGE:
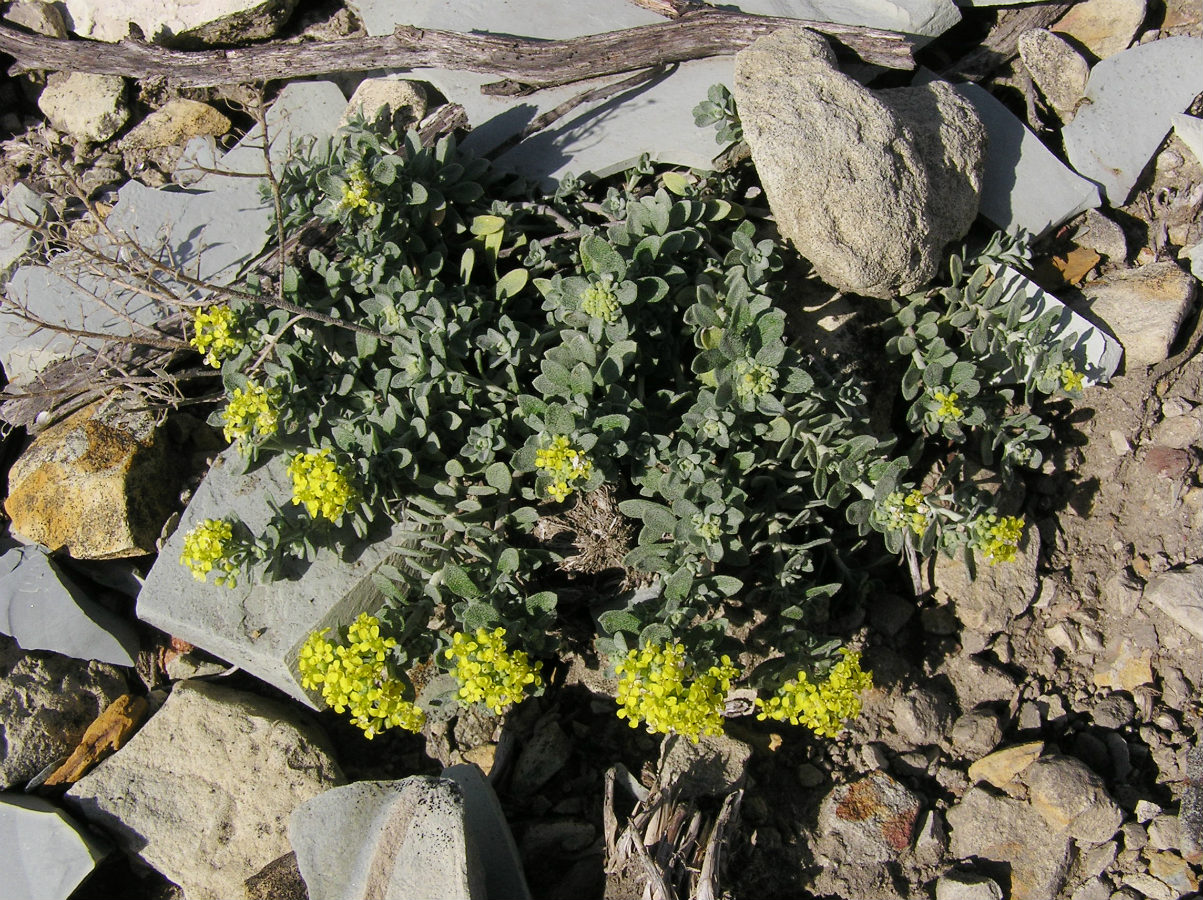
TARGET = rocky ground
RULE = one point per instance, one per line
(1033, 732)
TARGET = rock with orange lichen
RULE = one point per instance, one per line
(99, 484)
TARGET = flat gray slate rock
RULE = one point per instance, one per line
(405, 840)
(44, 855)
(256, 625)
(209, 234)
(42, 609)
(1025, 185)
(1131, 101)
(28, 206)
(1095, 353)
(304, 110)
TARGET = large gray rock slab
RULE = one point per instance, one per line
(43, 609)
(608, 137)
(204, 791)
(1179, 594)
(1144, 308)
(25, 205)
(258, 625)
(43, 853)
(863, 197)
(179, 21)
(47, 702)
(403, 840)
(1025, 185)
(1131, 101)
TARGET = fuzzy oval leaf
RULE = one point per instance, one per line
(459, 582)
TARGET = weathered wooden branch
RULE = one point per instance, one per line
(696, 34)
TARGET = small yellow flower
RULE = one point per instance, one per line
(488, 672)
(205, 549)
(320, 484)
(251, 413)
(216, 334)
(358, 193)
(998, 537)
(565, 465)
(948, 411)
(907, 512)
(1072, 381)
(825, 707)
(659, 687)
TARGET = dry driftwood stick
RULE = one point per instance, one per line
(696, 34)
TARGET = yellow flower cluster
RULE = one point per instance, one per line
(565, 465)
(1072, 381)
(753, 379)
(823, 708)
(601, 303)
(319, 483)
(358, 192)
(488, 673)
(216, 334)
(948, 411)
(356, 678)
(251, 413)
(661, 688)
(205, 550)
(998, 537)
(905, 512)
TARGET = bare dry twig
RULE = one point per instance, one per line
(699, 33)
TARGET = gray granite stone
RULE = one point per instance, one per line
(42, 609)
(257, 625)
(203, 791)
(1025, 185)
(1179, 594)
(47, 702)
(45, 853)
(169, 21)
(1131, 100)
